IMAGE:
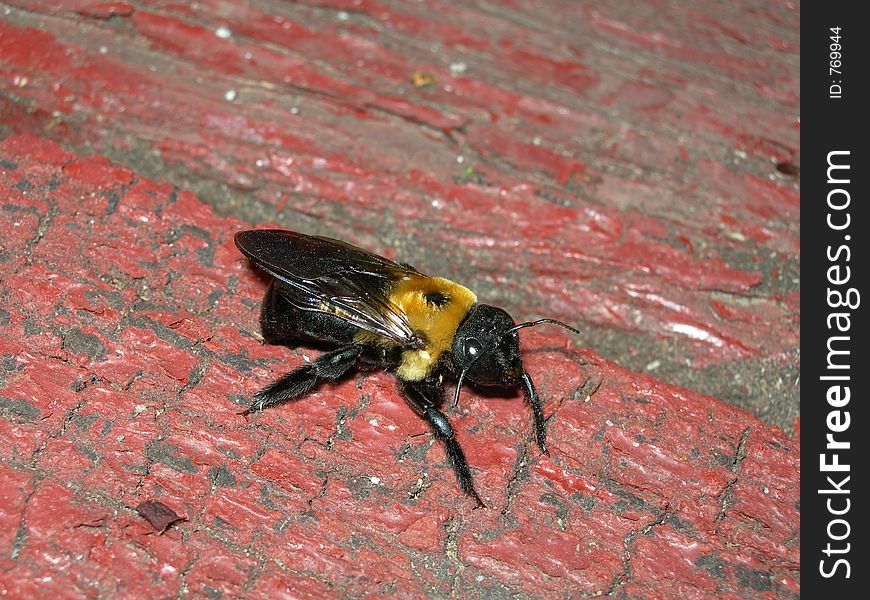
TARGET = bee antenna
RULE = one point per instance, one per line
(543, 321)
(458, 387)
(462, 377)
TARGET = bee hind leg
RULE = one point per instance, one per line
(295, 384)
(424, 397)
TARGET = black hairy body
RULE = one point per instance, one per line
(383, 315)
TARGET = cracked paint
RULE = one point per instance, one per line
(643, 202)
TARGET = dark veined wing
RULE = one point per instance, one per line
(330, 276)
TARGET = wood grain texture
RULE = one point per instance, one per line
(618, 166)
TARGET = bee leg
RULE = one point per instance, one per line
(295, 384)
(424, 397)
(537, 412)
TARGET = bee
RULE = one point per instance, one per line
(383, 315)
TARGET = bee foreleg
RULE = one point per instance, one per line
(537, 412)
(424, 397)
(295, 384)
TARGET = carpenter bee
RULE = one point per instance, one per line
(384, 315)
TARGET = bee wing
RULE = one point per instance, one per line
(333, 277)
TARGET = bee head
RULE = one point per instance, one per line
(486, 348)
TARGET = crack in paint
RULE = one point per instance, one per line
(320, 494)
(519, 474)
(44, 224)
(21, 533)
(624, 576)
(261, 558)
(21, 536)
(451, 550)
(726, 497)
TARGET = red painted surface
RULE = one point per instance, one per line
(129, 349)
(612, 165)
(501, 132)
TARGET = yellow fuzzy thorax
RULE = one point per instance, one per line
(436, 324)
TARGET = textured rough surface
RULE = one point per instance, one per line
(627, 167)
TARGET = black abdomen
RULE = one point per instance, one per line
(283, 323)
